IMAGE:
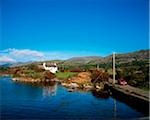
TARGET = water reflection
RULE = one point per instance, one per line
(101, 94)
(21, 101)
(50, 90)
(115, 110)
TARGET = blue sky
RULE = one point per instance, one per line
(74, 27)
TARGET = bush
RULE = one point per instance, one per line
(32, 74)
(35, 68)
(99, 76)
(77, 69)
(3, 69)
(48, 75)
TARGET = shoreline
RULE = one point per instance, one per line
(117, 92)
(71, 86)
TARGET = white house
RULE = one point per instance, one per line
(52, 68)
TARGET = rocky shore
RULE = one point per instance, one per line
(72, 80)
(81, 81)
(31, 80)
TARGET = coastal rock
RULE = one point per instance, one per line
(81, 78)
(64, 84)
(14, 79)
(99, 86)
(88, 87)
(80, 81)
(73, 85)
(70, 85)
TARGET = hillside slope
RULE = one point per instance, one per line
(142, 55)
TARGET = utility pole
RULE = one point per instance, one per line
(97, 66)
(114, 71)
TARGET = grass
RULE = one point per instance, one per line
(146, 88)
(65, 75)
(33, 74)
(29, 73)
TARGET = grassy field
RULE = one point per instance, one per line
(65, 75)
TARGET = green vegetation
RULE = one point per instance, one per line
(65, 75)
(33, 74)
(99, 76)
(3, 69)
(133, 67)
(136, 73)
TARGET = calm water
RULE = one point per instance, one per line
(22, 101)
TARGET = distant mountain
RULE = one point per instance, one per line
(141, 55)
(21, 64)
(129, 57)
(16, 64)
(81, 60)
(6, 65)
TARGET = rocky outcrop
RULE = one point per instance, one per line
(45, 76)
(80, 81)
(81, 78)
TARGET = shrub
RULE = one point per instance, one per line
(35, 68)
(48, 75)
(32, 74)
(99, 76)
(76, 69)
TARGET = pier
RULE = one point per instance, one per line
(134, 97)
